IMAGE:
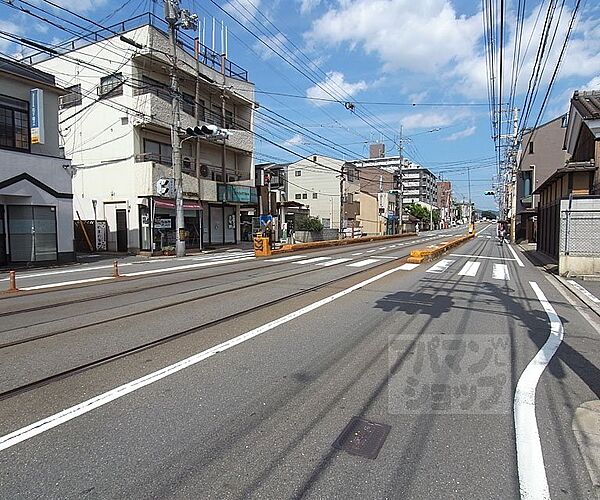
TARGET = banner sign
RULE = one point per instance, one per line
(36, 111)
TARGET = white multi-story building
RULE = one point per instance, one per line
(36, 204)
(315, 182)
(116, 127)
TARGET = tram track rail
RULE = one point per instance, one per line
(29, 386)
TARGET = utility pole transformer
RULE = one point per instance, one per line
(176, 18)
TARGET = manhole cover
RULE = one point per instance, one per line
(362, 438)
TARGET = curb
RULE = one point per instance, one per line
(595, 307)
(586, 428)
(547, 267)
(420, 256)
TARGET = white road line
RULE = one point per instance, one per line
(441, 266)
(585, 291)
(185, 266)
(66, 283)
(289, 257)
(408, 266)
(371, 251)
(357, 253)
(481, 257)
(519, 261)
(384, 257)
(500, 272)
(314, 259)
(57, 419)
(470, 268)
(333, 262)
(67, 271)
(533, 482)
(362, 263)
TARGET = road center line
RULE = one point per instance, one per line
(533, 482)
(57, 419)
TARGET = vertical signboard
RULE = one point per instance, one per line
(36, 110)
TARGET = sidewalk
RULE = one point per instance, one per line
(586, 289)
(94, 258)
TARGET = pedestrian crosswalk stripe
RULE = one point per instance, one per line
(289, 257)
(441, 266)
(408, 266)
(332, 262)
(362, 263)
(314, 259)
(470, 268)
(500, 272)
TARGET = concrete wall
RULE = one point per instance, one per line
(579, 245)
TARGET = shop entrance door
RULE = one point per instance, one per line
(121, 230)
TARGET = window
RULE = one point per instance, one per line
(297, 196)
(351, 174)
(73, 98)
(530, 147)
(298, 173)
(228, 119)
(188, 104)
(526, 182)
(14, 123)
(304, 196)
(314, 196)
(111, 86)
(158, 151)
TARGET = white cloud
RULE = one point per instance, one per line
(593, 84)
(336, 85)
(461, 134)
(80, 5)
(431, 38)
(419, 36)
(295, 140)
(432, 119)
(12, 28)
(307, 6)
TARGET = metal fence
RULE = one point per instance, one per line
(580, 233)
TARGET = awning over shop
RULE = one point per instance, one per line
(187, 205)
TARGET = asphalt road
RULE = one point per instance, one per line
(280, 355)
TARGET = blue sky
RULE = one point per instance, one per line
(415, 64)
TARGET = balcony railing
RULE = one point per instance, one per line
(207, 57)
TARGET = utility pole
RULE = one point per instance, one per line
(177, 17)
(400, 204)
(342, 173)
(470, 206)
(197, 111)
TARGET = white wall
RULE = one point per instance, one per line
(320, 177)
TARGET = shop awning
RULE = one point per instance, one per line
(187, 205)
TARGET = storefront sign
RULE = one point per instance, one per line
(161, 223)
(36, 111)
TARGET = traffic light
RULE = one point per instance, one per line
(489, 193)
(208, 132)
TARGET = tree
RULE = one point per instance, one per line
(488, 214)
(419, 211)
(310, 224)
